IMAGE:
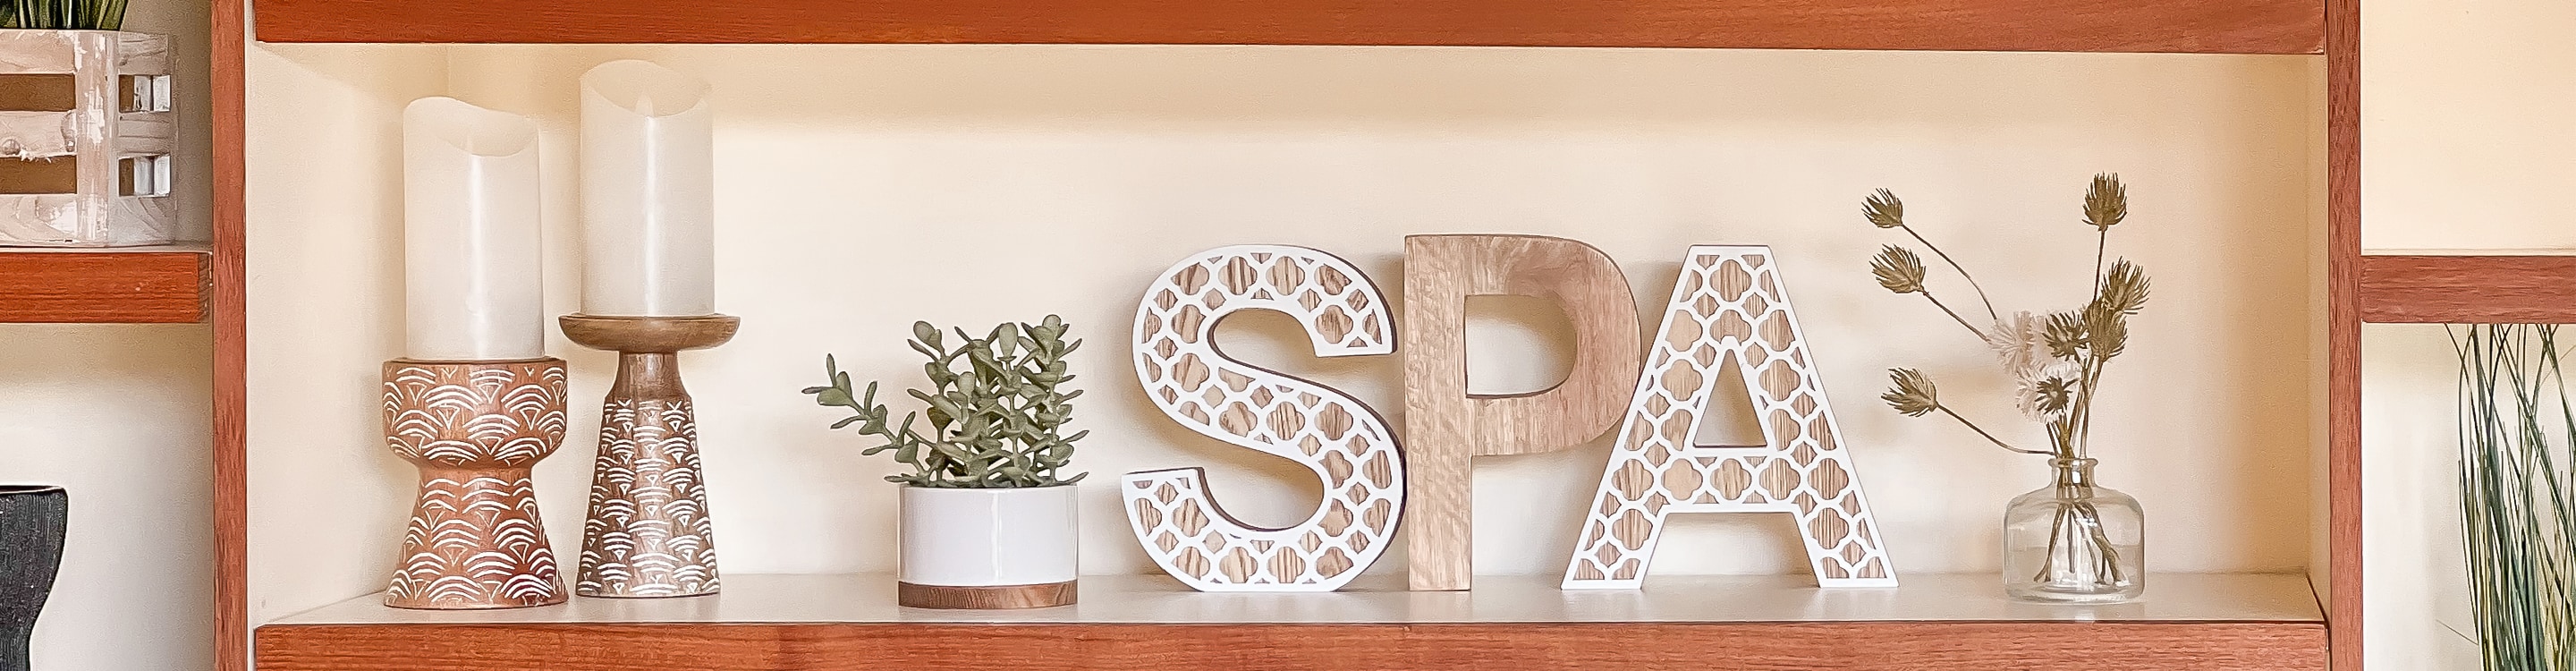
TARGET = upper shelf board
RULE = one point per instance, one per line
(136, 285)
(2437, 289)
(2176, 26)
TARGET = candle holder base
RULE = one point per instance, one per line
(647, 534)
(474, 428)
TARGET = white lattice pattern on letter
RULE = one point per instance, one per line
(1340, 439)
(1729, 303)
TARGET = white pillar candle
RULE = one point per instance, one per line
(473, 285)
(647, 192)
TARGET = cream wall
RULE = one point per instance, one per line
(864, 187)
(2465, 139)
(2416, 605)
(324, 252)
(118, 415)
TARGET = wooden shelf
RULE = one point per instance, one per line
(2417, 289)
(798, 623)
(131, 285)
(2193, 26)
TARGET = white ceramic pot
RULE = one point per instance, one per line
(987, 548)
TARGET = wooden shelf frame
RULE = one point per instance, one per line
(136, 285)
(2328, 27)
(2468, 289)
(2180, 26)
(1935, 622)
(1848, 646)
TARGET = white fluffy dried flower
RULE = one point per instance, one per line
(2049, 393)
(2020, 343)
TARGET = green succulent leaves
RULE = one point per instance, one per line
(995, 409)
(63, 14)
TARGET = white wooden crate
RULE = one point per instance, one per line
(119, 132)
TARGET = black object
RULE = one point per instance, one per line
(31, 550)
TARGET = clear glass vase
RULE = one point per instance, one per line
(2075, 541)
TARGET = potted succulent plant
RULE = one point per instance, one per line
(987, 512)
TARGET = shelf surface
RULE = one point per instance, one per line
(2525, 288)
(126, 285)
(1114, 599)
(2194, 26)
(1933, 622)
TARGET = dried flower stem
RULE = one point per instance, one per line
(1954, 315)
(1963, 273)
(2101, 248)
(1972, 426)
(2079, 442)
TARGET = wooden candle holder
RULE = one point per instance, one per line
(474, 428)
(647, 534)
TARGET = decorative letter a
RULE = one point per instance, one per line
(1729, 304)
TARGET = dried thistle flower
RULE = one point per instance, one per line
(1914, 396)
(2106, 202)
(1913, 393)
(2065, 334)
(1883, 209)
(2106, 332)
(1898, 269)
(2124, 288)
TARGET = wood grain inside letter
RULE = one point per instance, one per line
(1445, 427)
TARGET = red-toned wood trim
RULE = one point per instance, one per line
(1845, 646)
(231, 393)
(2468, 289)
(2199, 26)
(103, 287)
(2343, 331)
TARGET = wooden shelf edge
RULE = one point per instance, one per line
(2179, 26)
(2432, 289)
(1857, 646)
(154, 285)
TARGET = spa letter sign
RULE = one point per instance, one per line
(1729, 307)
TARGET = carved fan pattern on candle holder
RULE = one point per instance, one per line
(1729, 303)
(1340, 439)
(474, 429)
(648, 534)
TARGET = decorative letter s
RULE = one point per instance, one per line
(1343, 441)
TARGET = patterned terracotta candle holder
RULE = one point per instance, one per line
(648, 534)
(474, 428)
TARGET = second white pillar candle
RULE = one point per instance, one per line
(647, 192)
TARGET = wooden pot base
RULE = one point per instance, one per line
(997, 597)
